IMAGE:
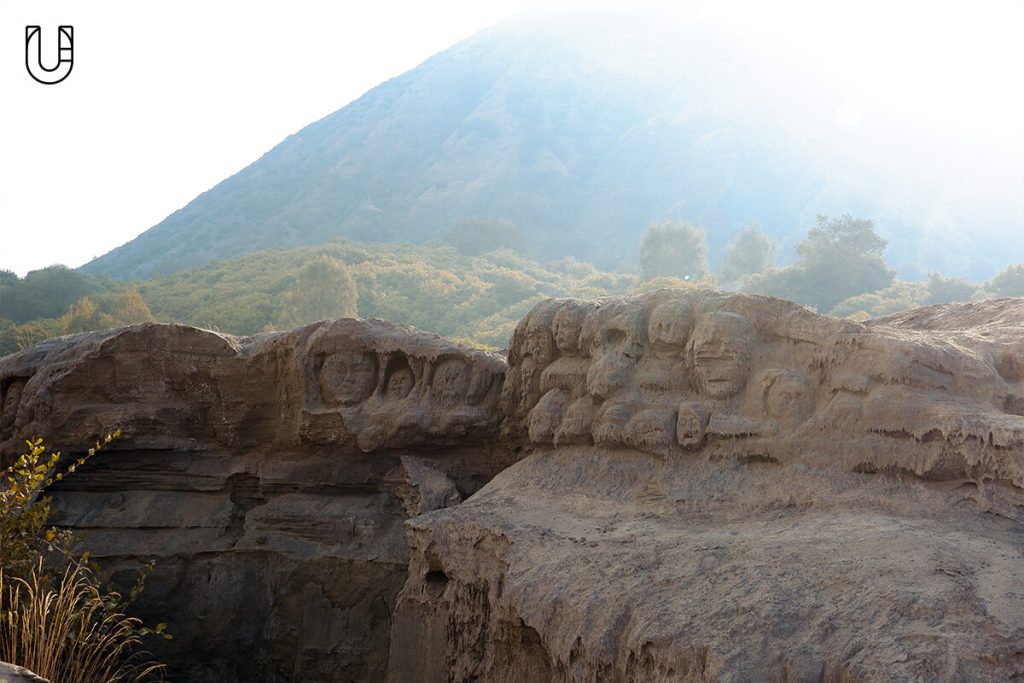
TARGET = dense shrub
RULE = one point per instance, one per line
(750, 253)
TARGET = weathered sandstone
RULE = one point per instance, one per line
(268, 477)
(681, 485)
(936, 393)
(733, 488)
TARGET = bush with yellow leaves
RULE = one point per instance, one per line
(56, 616)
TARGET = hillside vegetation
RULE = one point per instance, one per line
(476, 298)
(463, 291)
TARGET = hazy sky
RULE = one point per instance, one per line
(167, 98)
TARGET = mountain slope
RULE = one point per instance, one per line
(581, 129)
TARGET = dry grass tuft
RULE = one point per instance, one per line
(71, 632)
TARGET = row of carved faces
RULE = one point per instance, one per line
(714, 347)
(350, 378)
(556, 419)
(786, 398)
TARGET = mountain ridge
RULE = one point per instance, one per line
(581, 147)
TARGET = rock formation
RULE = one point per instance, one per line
(268, 477)
(681, 485)
(671, 373)
(16, 674)
(733, 488)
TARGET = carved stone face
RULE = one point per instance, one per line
(529, 383)
(566, 328)
(719, 353)
(400, 383)
(539, 342)
(371, 438)
(575, 427)
(617, 347)
(652, 430)
(668, 328)
(607, 373)
(610, 425)
(691, 425)
(788, 397)
(451, 380)
(348, 378)
(546, 416)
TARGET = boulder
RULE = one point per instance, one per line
(729, 488)
(268, 478)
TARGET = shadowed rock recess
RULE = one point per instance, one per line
(685, 485)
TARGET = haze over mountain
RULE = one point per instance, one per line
(582, 129)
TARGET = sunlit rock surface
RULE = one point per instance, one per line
(683, 485)
(733, 488)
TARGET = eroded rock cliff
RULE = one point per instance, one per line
(683, 485)
(268, 477)
(733, 488)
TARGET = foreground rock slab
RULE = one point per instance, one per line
(9, 673)
(729, 488)
(267, 477)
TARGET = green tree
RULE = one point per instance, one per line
(84, 315)
(475, 237)
(131, 308)
(943, 290)
(323, 288)
(1010, 282)
(45, 293)
(104, 311)
(674, 248)
(840, 258)
(750, 253)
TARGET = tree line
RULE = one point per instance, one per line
(840, 269)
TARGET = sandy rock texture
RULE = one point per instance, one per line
(732, 488)
(269, 478)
